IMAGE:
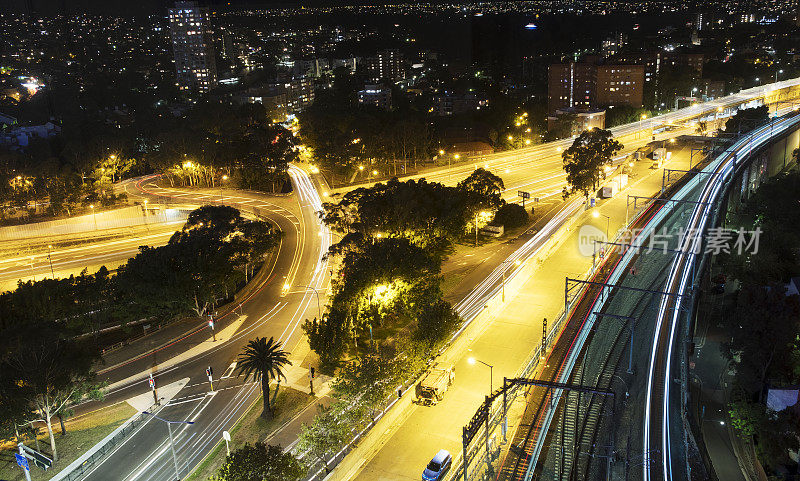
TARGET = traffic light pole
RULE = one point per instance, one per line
(211, 325)
(210, 374)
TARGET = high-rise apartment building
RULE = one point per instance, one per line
(387, 65)
(586, 86)
(619, 85)
(570, 85)
(192, 44)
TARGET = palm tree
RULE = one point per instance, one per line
(263, 359)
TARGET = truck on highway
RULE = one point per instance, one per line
(433, 384)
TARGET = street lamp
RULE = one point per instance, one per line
(503, 270)
(49, 248)
(221, 184)
(776, 74)
(597, 214)
(94, 216)
(319, 311)
(641, 122)
(171, 439)
(472, 361)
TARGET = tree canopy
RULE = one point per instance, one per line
(429, 214)
(260, 462)
(747, 119)
(585, 158)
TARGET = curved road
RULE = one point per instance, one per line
(274, 307)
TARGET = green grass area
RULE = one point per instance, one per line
(83, 432)
(252, 428)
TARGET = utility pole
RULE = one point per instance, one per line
(171, 439)
(476, 229)
(49, 248)
(544, 335)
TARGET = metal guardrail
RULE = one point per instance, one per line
(84, 464)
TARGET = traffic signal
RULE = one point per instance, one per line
(312, 372)
(209, 371)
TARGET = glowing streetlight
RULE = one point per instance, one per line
(510, 138)
(456, 156)
(527, 141)
(94, 216)
(473, 361)
(224, 178)
(441, 152)
(597, 214)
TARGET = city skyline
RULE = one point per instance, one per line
(511, 240)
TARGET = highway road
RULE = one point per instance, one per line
(539, 169)
(63, 261)
(275, 307)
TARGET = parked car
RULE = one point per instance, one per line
(438, 466)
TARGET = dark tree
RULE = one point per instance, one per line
(264, 360)
(586, 157)
(484, 184)
(747, 119)
(53, 371)
(511, 216)
(260, 462)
